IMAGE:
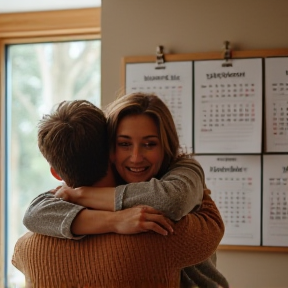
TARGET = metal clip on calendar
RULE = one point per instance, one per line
(160, 58)
(227, 55)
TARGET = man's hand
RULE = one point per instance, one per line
(141, 219)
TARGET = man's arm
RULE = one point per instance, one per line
(204, 227)
(197, 235)
(18, 258)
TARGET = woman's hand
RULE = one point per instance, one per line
(67, 194)
(141, 219)
(100, 198)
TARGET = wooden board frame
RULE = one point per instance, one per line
(281, 52)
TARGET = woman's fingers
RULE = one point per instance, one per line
(63, 192)
(151, 226)
(155, 220)
(55, 190)
(141, 219)
(163, 228)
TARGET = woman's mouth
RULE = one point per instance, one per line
(137, 170)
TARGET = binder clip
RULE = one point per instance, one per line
(160, 58)
(227, 55)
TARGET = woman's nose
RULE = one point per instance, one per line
(136, 155)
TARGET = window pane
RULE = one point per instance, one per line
(39, 76)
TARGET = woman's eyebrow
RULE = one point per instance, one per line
(150, 136)
(124, 136)
(145, 137)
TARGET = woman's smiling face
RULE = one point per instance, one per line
(138, 152)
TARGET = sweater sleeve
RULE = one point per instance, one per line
(51, 216)
(18, 259)
(197, 235)
(177, 193)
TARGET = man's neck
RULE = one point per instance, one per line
(108, 180)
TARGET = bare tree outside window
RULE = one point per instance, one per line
(39, 76)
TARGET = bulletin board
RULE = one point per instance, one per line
(231, 111)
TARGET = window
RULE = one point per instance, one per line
(37, 74)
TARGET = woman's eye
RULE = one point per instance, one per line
(150, 144)
(123, 144)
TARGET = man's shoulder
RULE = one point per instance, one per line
(25, 237)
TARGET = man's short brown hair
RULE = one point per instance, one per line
(74, 141)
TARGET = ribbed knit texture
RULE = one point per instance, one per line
(112, 260)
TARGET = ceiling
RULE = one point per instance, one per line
(10, 6)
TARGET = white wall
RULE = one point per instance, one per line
(135, 28)
(11, 6)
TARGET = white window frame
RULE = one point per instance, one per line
(32, 27)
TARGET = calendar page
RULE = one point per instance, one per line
(228, 106)
(174, 86)
(276, 98)
(235, 184)
(275, 197)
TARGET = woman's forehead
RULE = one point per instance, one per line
(137, 124)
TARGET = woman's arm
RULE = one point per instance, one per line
(177, 193)
(129, 221)
(52, 216)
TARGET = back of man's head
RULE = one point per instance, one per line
(74, 141)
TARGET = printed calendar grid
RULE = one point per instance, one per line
(228, 107)
(276, 98)
(233, 198)
(278, 201)
(235, 184)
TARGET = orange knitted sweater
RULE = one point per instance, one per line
(112, 260)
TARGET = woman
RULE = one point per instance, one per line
(144, 149)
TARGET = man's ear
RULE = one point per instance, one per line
(55, 174)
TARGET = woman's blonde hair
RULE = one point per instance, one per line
(154, 107)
